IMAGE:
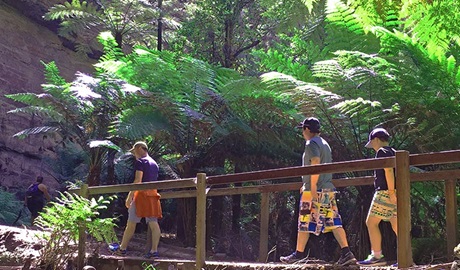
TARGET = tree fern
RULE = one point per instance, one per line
(130, 22)
(345, 31)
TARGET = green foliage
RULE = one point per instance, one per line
(81, 112)
(11, 209)
(130, 22)
(61, 221)
(428, 250)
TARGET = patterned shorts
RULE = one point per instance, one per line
(320, 216)
(381, 206)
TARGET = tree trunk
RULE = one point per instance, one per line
(160, 26)
(186, 233)
(111, 178)
(228, 43)
(236, 210)
(95, 167)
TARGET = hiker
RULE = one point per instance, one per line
(142, 203)
(383, 205)
(34, 199)
(318, 208)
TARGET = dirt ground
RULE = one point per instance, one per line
(18, 247)
(20, 244)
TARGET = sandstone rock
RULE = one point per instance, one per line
(27, 40)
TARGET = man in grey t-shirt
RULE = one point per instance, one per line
(318, 211)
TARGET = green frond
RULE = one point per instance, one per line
(39, 111)
(73, 9)
(434, 23)
(345, 31)
(112, 51)
(26, 98)
(70, 28)
(274, 60)
(52, 74)
(104, 143)
(353, 107)
(139, 122)
(36, 130)
(307, 96)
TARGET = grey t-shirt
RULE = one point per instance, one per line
(317, 147)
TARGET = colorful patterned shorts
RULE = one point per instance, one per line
(381, 206)
(321, 216)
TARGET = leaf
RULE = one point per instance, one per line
(36, 130)
(104, 143)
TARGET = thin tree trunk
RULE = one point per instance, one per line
(236, 210)
(160, 26)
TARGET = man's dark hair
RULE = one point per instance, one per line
(40, 179)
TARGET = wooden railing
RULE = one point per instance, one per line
(400, 162)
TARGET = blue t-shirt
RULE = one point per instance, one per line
(317, 147)
(149, 167)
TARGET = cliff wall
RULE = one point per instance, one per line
(26, 40)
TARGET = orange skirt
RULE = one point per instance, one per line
(148, 203)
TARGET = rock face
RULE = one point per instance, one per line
(25, 41)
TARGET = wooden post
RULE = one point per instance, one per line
(121, 265)
(82, 233)
(264, 221)
(200, 220)
(450, 190)
(404, 213)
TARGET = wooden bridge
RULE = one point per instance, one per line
(401, 162)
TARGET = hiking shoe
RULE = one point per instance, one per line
(290, 258)
(115, 248)
(347, 259)
(373, 261)
(150, 254)
(120, 252)
(395, 265)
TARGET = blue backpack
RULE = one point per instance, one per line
(33, 190)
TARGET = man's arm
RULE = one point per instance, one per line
(390, 178)
(44, 189)
(137, 180)
(314, 178)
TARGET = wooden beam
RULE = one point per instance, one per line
(435, 176)
(450, 189)
(264, 222)
(165, 184)
(404, 213)
(435, 158)
(338, 182)
(336, 167)
(201, 221)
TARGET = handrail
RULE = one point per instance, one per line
(207, 189)
(336, 167)
(338, 183)
(452, 156)
(164, 184)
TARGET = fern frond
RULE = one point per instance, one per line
(103, 143)
(139, 122)
(26, 98)
(345, 31)
(112, 51)
(73, 9)
(39, 111)
(36, 130)
(52, 74)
